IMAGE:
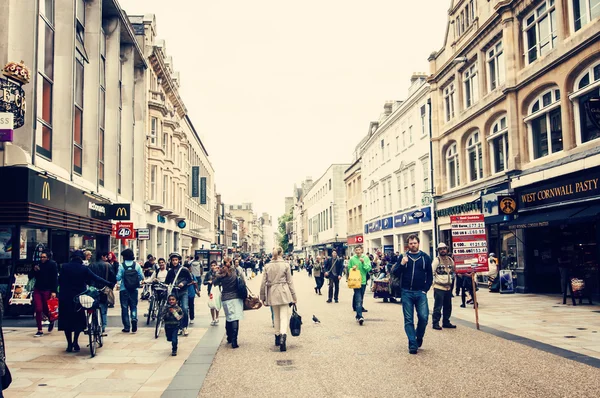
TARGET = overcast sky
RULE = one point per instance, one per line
(279, 90)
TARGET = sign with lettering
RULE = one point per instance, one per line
(469, 243)
(592, 107)
(387, 223)
(7, 125)
(573, 186)
(460, 209)
(203, 190)
(195, 181)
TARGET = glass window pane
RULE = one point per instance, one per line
(77, 158)
(44, 100)
(492, 66)
(584, 81)
(79, 83)
(589, 131)
(539, 132)
(532, 44)
(101, 145)
(47, 9)
(546, 99)
(77, 126)
(81, 11)
(45, 141)
(595, 8)
(579, 13)
(102, 72)
(556, 130)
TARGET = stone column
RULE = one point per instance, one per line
(113, 63)
(128, 140)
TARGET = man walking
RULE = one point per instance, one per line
(443, 278)
(416, 275)
(130, 275)
(362, 263)
(333, 271)
(103, 269)
(46, 283)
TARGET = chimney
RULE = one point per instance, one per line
(387, 108)
(417, 75)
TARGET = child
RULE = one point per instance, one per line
(172, 315)
(214, 294)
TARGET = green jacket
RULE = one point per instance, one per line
(364, 268)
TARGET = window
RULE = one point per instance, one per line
(397, 144)
(470, 82)
(78, 115)
(331, 216)
(410, 135)
(587, 86)
(449, 102)
(153, 130)
(153, 183)
(495, 63)
(425, 168)
(119, 152)
(413, 191)
(165, 142)
(544, 124)
(385, 201)
(405, 185)
(388, 151)
(498, 141)
(399, 184)
(389, 186)
(45, 78)
(452, 166)
(539, 30)
(423, 121)
(585, 11)
(474, 157)
(404, 140)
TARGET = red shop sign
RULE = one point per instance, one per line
(469, 243)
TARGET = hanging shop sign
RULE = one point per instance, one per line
(125, 230)
(459, 209)
(592, 107)
(195, 181)
(143, 233)
(469, 243)
(507, 205)
(203, 190)
(355, 240)
(490, 205)
(580, 185)
(12, 99)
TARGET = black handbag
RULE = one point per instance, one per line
(242, 290)
(295, 322)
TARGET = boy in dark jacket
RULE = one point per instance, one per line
(416, 275)
(172, 315)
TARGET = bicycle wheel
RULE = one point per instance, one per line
(98, 328)
(159, 321)
(90, 333)
(150, 310)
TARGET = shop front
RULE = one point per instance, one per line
(557, 232)
(37, 213)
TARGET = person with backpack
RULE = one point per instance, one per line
(179, 278)
(129, 276)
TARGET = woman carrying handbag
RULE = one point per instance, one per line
(277, 291)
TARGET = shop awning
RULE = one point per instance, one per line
(571, 215)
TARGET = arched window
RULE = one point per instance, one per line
(498, 140)
(544, 124)
(587, 86)
(474, 157)
(452, 168)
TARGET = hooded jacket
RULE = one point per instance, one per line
(416, 274)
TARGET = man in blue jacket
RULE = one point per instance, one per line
(416, 275)
(129, 276)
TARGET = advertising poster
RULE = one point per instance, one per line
(6, 246)
(21, 293)
(506, 281)
(469, 243)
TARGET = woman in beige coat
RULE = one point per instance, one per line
(277, 291)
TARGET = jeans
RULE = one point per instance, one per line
(40, 305)
(281, 318)
(334, 282)
(185, 307)
(104, 313)
(129, 301)
(442, 300)
(357, 301)
(411, 300)
(171, 334)
(191, 306)
(320, 280)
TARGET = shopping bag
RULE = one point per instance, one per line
(211, 302)
(53, 309)
(354, 279)
(295, 322)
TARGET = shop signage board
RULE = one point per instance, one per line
(125, 230)
(203, 190)
(143, 233)
(469, 243)
(195, 181)
(356, 240)
(507, 205)
(506, 281)
(7, 125)
(22, 290)
(459, 209)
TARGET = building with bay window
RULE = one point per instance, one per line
(513, 97)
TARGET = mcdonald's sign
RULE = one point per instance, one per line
(46, 191)
(120, 211)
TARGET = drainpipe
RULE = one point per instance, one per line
(433, 206)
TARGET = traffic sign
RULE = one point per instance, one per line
(125, 230)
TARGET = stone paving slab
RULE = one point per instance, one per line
(339, 358)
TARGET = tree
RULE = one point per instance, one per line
(284, 239)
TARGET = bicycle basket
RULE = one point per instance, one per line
(86, 301)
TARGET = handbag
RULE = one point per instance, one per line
(53, 309)
(110, 295)
(251, 302)
(7, 377)
(295, 322)
(354, 279)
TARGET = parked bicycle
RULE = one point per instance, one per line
(157, 302)
(88, 301)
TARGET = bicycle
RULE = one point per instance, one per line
(158, 300)
(88, 301)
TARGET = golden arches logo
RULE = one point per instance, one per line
(46, 190)
(121, 212)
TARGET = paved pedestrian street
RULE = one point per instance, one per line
(335, 358)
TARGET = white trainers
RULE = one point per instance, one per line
(217, 321)
(45, 323)
(213, 323)
(185, 332)
(191, 321)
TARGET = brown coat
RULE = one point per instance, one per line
(277, 287)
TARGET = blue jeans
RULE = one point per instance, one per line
(412, 300)
(104, 312)
(129, 302)
(185, 307)
(171, 334)
(357, 301)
